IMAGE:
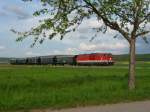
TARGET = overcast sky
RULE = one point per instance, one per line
(18, 15)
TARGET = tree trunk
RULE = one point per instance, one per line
(131, 81)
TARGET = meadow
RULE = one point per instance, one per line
(29, 87)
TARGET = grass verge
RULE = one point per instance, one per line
(28, 87)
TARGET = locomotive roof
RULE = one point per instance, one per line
(97, 54)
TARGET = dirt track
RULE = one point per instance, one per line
(121, 107)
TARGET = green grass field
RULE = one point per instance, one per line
(28, 87)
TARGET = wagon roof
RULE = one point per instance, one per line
(58, 56)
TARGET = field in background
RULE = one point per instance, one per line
(125, 57)
(27, 87)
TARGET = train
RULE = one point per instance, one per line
(81, 59)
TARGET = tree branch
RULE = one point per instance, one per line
(145, 18)
(136, 24)
(142, 33)
(112, 25)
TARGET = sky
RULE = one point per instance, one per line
(17, 14)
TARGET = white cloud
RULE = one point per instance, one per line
(67, 51)
(71, 51)
(27, 24)
(57, 52)
(2, 14)
(17, 10)
(2, 47)
(87, 47)
(102, 46)
(94, 23)
(30, 53)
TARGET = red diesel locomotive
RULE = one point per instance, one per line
(95, 59)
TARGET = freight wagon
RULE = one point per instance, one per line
(33, 60)
(18, 61)
(64, 59)
(45, 60)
